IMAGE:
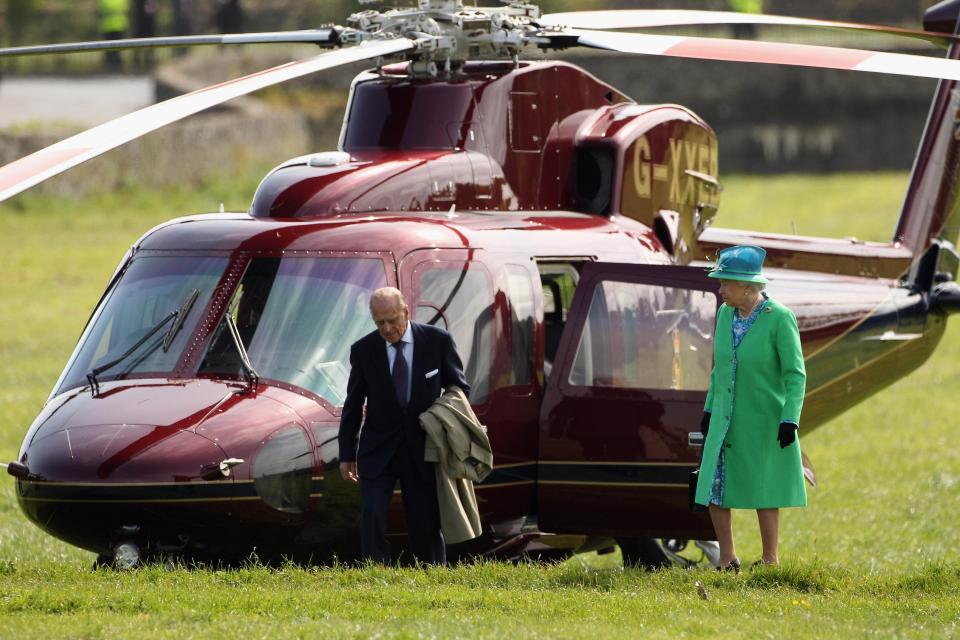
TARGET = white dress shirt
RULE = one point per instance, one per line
(407, 355)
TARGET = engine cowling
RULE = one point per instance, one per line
(656, 164)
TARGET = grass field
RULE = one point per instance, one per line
(873, 556)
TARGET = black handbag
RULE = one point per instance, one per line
(692, 491)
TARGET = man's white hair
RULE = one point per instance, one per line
(387, 296)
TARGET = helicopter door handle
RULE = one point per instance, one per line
(221, 470)
(695, 439)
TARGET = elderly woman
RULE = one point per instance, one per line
(751, 455)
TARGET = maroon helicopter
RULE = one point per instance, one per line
(556, 228)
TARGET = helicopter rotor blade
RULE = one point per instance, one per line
(33, 169)
(800, 55)
(650, 18)
(321, 37)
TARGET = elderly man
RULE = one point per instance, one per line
(400, 370)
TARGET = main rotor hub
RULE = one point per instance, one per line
(447, 32)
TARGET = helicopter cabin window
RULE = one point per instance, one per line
(520, 293)
(558, 280)
(457, 296)
(647, 337)
(297, 318)
(146, 321)
(409, 115)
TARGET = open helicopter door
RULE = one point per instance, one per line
(627, 388)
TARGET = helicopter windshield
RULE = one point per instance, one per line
(151, 287)
(297, 318)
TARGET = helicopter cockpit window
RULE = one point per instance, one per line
(457, 296)
(381, 113)
(150, 291)
(297, 318)
(644, 336)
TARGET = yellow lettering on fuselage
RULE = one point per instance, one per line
(641, 168)
(697, 156)
(676, 194)
(659, 180)
(649, 186)
(689, 185)
(704, 191)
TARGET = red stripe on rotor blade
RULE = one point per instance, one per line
(256, 74)
(768, 52)
(34, 164)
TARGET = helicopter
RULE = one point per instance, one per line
(555, 227)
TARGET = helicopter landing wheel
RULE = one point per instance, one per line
(126, 555)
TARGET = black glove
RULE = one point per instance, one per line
(787, 434)
(705, 424)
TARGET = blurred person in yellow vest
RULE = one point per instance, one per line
(745, 31)
(114, 25)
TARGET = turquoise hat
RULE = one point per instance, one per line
(742, 262)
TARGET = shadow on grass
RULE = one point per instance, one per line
(803, 578)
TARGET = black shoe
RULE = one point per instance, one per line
(733, 566)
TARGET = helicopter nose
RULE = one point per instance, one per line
(121, 453)
(154, 462)
(91, 484)
(137, 432)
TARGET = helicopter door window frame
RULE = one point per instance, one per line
(641, 335)
(601, 447)
(577, 336)
(475, 344)
(552, 272)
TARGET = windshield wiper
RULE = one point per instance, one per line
(252, 375)
(177, 314)
(181, 316)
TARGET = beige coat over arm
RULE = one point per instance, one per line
(458, 443)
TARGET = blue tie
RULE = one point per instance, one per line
(400, 374)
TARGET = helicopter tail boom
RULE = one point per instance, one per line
(929, 222)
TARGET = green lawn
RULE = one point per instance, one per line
(873, 556)
(865, 206)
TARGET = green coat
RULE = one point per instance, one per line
(752, 390)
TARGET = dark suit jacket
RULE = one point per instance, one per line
(387, 424)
